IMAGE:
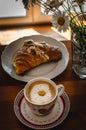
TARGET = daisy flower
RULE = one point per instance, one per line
(52, 5)
(80, 1)
(60, 21)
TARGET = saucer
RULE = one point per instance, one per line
(57, 116)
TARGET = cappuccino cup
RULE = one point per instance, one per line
(41, 95)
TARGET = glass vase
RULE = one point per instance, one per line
(79, 54)
(78, 38)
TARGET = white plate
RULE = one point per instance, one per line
(57, 116)
(49, 70)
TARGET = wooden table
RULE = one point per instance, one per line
(74, 87)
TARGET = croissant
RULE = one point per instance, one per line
(32, 54)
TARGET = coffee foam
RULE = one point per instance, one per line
(41, 92)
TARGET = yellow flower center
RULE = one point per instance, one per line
(52, 2)
(80, 1)
(41, 92)
(61, 21)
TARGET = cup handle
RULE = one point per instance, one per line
(60, 89)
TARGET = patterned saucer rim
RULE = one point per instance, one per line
(19, 101)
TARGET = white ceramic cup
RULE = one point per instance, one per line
(41, 95)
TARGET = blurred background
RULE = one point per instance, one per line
(16, 22)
